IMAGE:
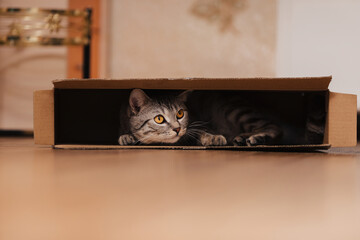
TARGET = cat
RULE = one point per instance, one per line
(155, 121)
(212, 120)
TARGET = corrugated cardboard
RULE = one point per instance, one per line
(294, 148)
(44, 117)
(291, 84)
(340, 126)
(341, 120)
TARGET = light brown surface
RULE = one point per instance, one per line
(342, 119)
(44, 123)
(258, 83)
(175, 194)
(161, 38)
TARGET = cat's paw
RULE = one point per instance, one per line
(239, 141)
(212, 140)
(256, 139)
(126, 139)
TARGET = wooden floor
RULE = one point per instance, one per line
(176, 194)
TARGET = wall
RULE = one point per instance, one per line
(320, 37)
(192, 38)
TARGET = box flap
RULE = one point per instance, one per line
(341, 120)
(44, 117)
(301, 84)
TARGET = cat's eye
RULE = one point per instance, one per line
(159, 119)
(180, 114)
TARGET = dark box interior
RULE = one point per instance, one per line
(92, 116)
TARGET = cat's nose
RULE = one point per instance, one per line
(177, 130)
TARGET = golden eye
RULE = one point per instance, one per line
(159, 119)
(180, 114)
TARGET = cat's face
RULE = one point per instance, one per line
(157, 121)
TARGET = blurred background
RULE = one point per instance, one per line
(187, 38)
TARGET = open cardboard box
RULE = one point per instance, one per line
(83, 113)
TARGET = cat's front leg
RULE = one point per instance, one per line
(126, 139)
(208, 139)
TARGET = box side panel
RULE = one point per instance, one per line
(341, 124)
(44, 117)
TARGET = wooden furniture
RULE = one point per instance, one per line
(48, 27)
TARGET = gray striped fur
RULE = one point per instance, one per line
(222, 122)
(144, 130)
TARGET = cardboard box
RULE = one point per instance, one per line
(80, 113)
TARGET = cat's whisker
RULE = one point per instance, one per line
(196, 131)
(143, 139)
(196, 139)
(193, 136)
(200, 122)
(197, 125)
(190, 133)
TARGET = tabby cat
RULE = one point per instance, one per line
(154, 121)
(210, 120)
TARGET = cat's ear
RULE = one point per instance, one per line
(184, 95)
(137, 100)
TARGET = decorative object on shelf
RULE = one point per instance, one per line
(23, 27)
